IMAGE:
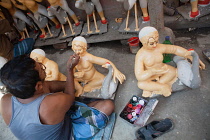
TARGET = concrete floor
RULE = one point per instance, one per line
(189, 110)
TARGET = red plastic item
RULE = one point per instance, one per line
(130, 105)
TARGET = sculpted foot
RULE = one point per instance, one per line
(78, 93)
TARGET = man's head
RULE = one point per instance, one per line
(79, 45)
(21, 75)
(149, 36)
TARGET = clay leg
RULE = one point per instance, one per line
(65, 7)
(42, 10)
(94, 84)
(194, 8)
(99, 10)
(194, 4)
(143, 5)
(78, 87)
(170, 76)
(156, 87)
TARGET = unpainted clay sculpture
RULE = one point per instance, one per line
(85, 71)
(17, 15)
(89, 9)
(38, 12)
(128, 5)
(155, 77)
(64, 5)
(51, 67)
(63, 17)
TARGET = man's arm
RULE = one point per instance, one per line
(55, 86)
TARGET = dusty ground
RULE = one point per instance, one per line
(189, 110)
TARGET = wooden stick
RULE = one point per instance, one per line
(88, 24)
(64, 33)
(23, 35)
(126, 25)
(49, 30)
(26, 32)
(136, 18)
(94, 18)
(72, 31)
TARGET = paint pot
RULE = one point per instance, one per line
(133, 44)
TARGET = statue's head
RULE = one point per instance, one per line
(149, 37)
(79, 45)
(38, 55)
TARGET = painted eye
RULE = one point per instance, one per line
(151, 43)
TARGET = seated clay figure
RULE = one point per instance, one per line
(51, 67)
(155, 77)
(85, 71)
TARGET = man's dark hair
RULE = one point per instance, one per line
(20, 77)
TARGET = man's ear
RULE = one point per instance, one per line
(39, 86)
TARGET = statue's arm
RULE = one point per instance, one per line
(54, 70)
(180, 52)
(102, 61)
(140, 73)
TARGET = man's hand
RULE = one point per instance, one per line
(73, 61)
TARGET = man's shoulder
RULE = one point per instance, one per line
(57, 98)
(6, 97)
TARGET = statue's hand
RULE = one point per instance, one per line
(159, 71)
(121, 77)
(79, 74)
(202, 65)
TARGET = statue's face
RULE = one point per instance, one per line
(152, 43)
(78, 47)
(37, 57)
(152, 40)
(41, 69)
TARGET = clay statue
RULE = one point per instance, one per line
(89, 9)
(51, 67)
(39, 11)
(85, 71)
(128, 5)
(155, 77)
(64, 5)
(17, 15)
(194, 8)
